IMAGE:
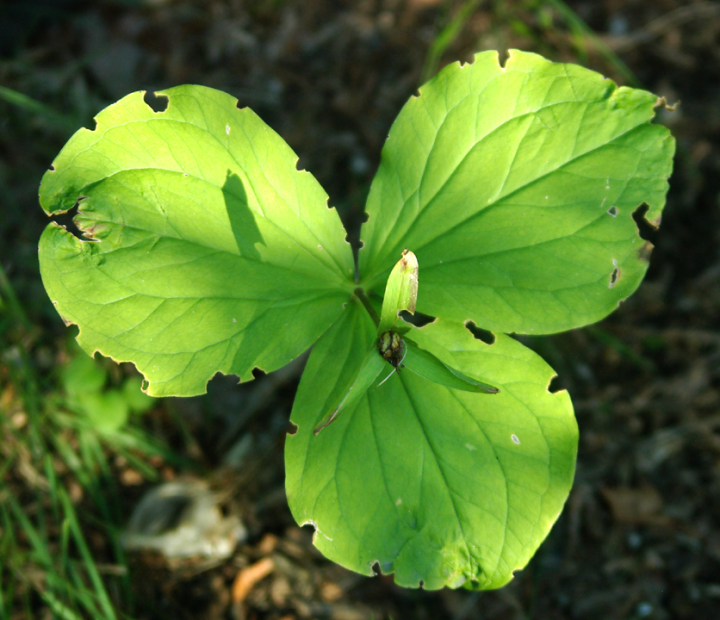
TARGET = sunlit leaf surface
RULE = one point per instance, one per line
(207, 250)
(515, 187)
(440, 486)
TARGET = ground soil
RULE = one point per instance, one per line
(640, 535)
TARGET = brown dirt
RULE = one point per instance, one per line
(640, 535)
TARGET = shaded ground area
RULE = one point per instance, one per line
(640, 536)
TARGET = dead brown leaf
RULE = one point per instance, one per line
(639, 506)
(248, 577)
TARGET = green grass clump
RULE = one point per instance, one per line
(60, 504)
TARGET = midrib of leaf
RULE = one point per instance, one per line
(382, 469)
(343, 281)
(345, 357)
(533, 415)
(440, 470)
(432, 147)
(502, 468)
(515, 249)
(286, 303)
(153, 234)
(505, 481)
(423, 209)
(194, 353)
(283, 303)
(497, 202)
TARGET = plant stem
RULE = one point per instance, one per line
(362, 296)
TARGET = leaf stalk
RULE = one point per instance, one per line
(362, 296)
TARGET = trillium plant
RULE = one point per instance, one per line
(503, 203)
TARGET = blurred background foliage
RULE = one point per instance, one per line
(79, 443)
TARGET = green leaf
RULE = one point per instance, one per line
(136, 399)
(426, 365)
(400, 291)
(106, 411)
(83, 375)
(515, 187)
(370, 368)
(206, 250)
(439, 486)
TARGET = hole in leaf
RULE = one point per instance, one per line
(613, 211)
(376, 568)
(647, 230)
(480, 334)
(292, 428)
(614, 276)
(310, 523)
(555, 385)
(258, 373)
(418, 319)
(67, 220)
(157, 103)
